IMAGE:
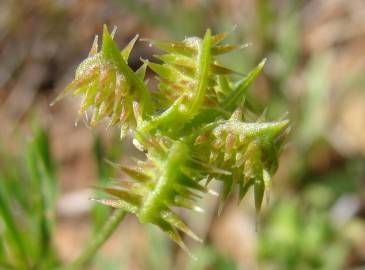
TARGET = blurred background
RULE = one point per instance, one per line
(48, 166)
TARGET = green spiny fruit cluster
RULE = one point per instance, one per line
(194, 129)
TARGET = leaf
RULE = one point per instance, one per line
(243, 189)
(222, 49)
(127, 50)
(176, 222)
(40, 166)
(173, 234)
(247, 129)
(259, 188)
(124, 195)
(141, 71)
(13, 230)
(173, 47)
(94, 47)
(235, 97)
(112, 53)
(204, 59)
(117, 204)
(219, 37)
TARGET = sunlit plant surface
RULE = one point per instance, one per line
(194, 129)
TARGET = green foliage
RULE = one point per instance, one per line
(210, 258)
(100, 213)
(28, 194)
(296, 238)
(27, 214)
(195, 128)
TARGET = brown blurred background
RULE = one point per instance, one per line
(315, 72)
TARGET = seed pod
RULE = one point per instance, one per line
(109, 87)
(166, 184)
(204, 128)
(255, 154)
(190, 69)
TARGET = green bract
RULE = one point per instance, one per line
(193, 129)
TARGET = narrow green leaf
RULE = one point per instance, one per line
(127, 50)
(116, 203)
(243, 189)
(42, 175)
(123, 195)
(204, 59)
(259, 188)
(219, 37)
(235, 97)
(12, 229)
(165, 72)
(112, 53)
(222, 49)
(221, 70)
(175, 221)
(173, 234)
(173, 47)
(267, 129)
(141, 71)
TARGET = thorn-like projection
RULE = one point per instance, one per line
(106, 87)
(94, 47)
(196, 126)
(112, 34)
(127, 50)
(248, 148)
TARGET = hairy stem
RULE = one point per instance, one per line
(99, 239)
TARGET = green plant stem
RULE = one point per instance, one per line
(98, 240)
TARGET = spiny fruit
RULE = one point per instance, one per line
(108, 85)
(249, 150)
(194, 128)
(157, 186)
(189, 71)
